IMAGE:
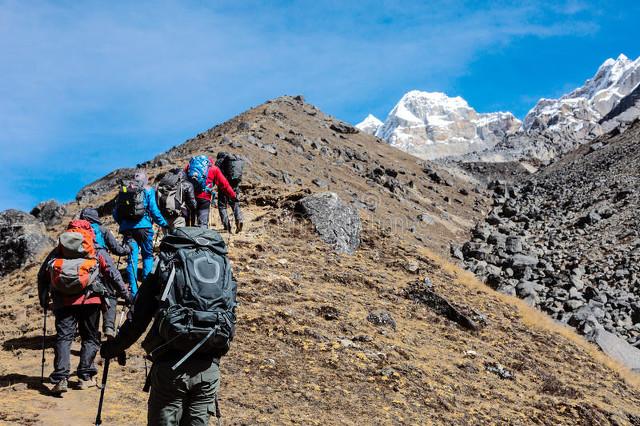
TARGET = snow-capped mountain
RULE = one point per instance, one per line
(575, 117)
(432, 125)
(370, 125)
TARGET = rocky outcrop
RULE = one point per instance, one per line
(337, 223)
(50, 212)
(23, 240)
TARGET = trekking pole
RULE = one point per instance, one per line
(44, 339)
(218, 413)
(105, 374)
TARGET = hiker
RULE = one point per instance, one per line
(136, 211)
(231, 166)
(106, 242)
(192, 294)
(176, 198)
(204, 175)
(75, 276)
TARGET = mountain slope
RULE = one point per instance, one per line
(579, 219)
(325, 338)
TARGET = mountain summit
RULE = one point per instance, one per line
(432, 124)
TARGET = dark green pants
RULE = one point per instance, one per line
(185, 397)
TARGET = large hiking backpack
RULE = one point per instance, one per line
(198, 299)
(130, 203)
(169, 195)
(231, 165)
(198, 171)
(74, 267)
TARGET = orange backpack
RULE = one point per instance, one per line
(75, 266)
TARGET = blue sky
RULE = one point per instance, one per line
(86, 86)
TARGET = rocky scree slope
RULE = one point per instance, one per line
(567, 239)
(329, 338)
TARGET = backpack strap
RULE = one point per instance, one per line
(167, 287)
(195, 348)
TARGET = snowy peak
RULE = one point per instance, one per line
(432, 125)
(581, 109)
(369, 125)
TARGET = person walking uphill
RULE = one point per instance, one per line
(205, 175)
(75, 276)
(106, 242)
(136, 211)
(192, 296)
(231, 166)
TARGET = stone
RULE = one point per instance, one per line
(23, 240)
(320, 183)
(50, 212)
(337, 223)
(513, 245)
(381, 318)
(616, 348)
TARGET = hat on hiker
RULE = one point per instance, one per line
(90, 215)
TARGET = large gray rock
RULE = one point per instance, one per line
(616, 348)
(23, 240)
(50, 212)
(337, 223)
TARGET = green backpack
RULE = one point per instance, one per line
(197, 303)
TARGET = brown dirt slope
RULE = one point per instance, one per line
(305, 352)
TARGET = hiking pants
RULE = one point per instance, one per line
(202, 212)
(140, 240)
(86, 318)
(223, 200)
(184, 397)
(109, 315)
(178, 222)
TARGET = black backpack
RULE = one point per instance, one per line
(197, 303)
(169, 194)
(130, 203)
(231, 165)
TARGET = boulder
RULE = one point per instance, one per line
(337, 223)
(50, 212)
(616, 348)
(23, 240)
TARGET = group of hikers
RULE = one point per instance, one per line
(188, 289)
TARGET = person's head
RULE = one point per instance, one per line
(140, 176)
(90, 215)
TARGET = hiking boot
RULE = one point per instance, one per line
(86, 384)
(61, 387)
(239, 227)
(110, 333)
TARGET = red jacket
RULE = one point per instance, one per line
(215, 178)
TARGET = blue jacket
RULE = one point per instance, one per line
(152, 214)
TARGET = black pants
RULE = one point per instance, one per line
(86, 319)
(223, 201)
(202, 212)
